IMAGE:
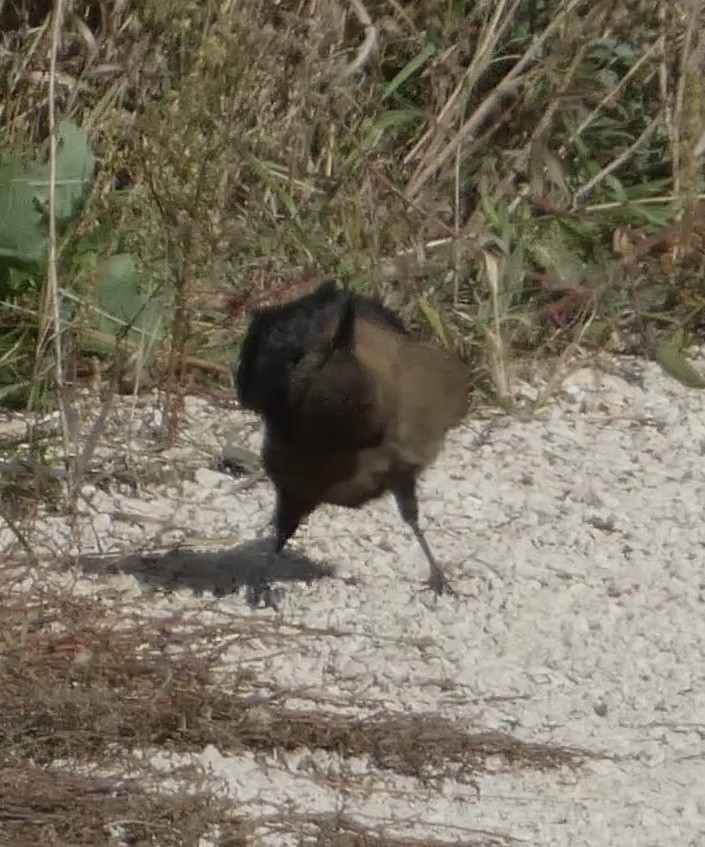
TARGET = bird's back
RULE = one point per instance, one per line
(284, 373)
(427, 388)
(340, 423)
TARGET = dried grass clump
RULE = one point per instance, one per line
(85, 684)
(40, 808)
(82, 681)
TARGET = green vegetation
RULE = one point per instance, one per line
(515, 176)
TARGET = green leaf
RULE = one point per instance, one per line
(434, 319)
(75, 170)
(388, 120)
(409, 70)
(555, 248)
(265, 174)
(23, 239)
(496, 215)
(24, 197)
(618, 191)
(120, 307)
(375, 130)
(657, 217)
(671, 358)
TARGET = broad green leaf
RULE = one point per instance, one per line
(24, 197)
(120, 307)
(672, 359)
(625, 51)
(75, 169)
(23, 239)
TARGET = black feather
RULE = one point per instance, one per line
(352, 405)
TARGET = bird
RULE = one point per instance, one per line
(353, 406)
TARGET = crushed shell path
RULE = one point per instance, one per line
(576, 544)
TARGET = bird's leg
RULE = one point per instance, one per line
(290, 511)
(404, 490)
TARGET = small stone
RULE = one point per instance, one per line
(207, 478)
(600, 708)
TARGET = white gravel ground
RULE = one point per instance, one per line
(576, 545)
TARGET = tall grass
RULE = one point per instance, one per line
(514, 176)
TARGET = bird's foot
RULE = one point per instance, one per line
(439, 584)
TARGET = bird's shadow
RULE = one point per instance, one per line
(252, 565)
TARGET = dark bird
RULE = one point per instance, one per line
(353, 406)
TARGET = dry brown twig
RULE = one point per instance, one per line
(689, 57)
(439, 152)
(485, 50)
(53, 293)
